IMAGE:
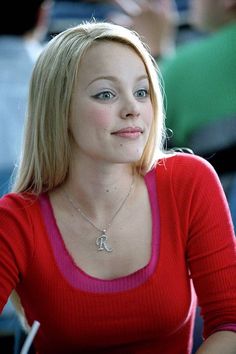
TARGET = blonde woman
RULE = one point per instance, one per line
(105, 236)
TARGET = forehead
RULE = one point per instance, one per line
(107, 56)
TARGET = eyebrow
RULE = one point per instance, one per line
(114, 78)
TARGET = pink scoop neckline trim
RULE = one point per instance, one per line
(75, 276)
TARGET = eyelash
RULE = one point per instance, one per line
(101, 95)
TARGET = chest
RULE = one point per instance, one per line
(124, 249)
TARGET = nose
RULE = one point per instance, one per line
(130, 109)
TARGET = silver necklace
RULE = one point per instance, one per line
(101, 240)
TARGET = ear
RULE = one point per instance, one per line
(229, 4)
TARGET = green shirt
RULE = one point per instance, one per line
(200, 83)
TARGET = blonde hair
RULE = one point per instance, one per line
(46, 149)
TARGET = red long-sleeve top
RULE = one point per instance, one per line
(150, 311)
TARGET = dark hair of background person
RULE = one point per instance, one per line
(19, 17)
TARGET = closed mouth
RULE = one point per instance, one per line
(129, 130)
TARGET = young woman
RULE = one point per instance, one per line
(105, 237)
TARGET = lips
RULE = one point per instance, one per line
(129, 132)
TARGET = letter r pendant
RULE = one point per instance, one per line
(101, 242)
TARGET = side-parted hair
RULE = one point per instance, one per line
(46, 154)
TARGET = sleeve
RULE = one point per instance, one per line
(210, 244)
(16, 245)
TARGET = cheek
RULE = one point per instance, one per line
(101, 117)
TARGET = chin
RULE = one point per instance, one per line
(127, 155)
(132, 158)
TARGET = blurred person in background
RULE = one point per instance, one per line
(21, 41)
(155, 20)
(200, 86)
(68, 13)
(199, 80)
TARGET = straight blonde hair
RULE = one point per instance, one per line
(45, 155)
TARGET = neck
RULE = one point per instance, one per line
(100, 188)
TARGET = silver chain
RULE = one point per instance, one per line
(101, 240)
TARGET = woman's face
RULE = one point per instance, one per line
(111, 110)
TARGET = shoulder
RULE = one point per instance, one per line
(184, 162)
(17, 204)
(190, 183)
(23, 199)
(19, 216)
(18, 230)
(186, 169)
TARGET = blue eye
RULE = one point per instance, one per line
(105, 95)
(142, 93)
